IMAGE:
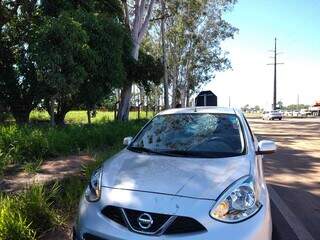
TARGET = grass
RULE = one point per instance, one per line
(30, 214)
(24, 216)
(81, 116)
(33, 167)
(32, 144)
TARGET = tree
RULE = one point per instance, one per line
(245, 108)
(110, 43)
(60, 49)
(138, 25)
(195, 32)
(85, 58)
(257, 108)
(164, 55)
(280, 105)
(20, 89)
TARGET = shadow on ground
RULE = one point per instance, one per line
(294, 170)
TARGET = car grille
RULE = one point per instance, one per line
(115, 214)
(88, 236)
(162, 223)
(185, 225)
(159, 220)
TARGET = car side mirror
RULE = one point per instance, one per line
(266, 147)
(127, 141)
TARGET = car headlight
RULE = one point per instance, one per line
(93, 191)
(239, 202)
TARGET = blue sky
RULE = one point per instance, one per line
(296, 24)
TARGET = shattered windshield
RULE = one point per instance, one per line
(198, 135)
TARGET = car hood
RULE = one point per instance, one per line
(203, 178)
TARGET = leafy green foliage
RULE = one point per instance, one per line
(61, 47)
(146, 71)
(195, 32)
(27, 214)
(20, 89)
(105, 67)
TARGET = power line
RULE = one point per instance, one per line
(275, 63)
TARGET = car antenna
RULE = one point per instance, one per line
(195, 108)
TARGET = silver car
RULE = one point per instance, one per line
(193, 173)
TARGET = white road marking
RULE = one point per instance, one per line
(297, 226)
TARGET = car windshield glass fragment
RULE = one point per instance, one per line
(192, 135)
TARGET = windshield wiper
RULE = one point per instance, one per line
(198, 154)
(150, 151)
(180, 153)
(141, 149)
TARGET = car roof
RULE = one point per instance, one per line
(220, 110)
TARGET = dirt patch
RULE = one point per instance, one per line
(52, 170)
(61, 234)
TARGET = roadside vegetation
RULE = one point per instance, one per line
(28, 215)
(35, 143)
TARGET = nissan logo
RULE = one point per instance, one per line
(145, 221)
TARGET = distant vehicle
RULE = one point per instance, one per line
(305, 113)
(295, 114)
(272, 115)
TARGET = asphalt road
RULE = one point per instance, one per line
(293, 175)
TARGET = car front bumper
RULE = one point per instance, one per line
(92, 221)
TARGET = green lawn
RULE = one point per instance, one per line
(81, 116)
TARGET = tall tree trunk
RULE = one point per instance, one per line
(63, 107)
(124, 107)
(164, 55)
(125, 97)
(147, 107)
(174, 89)
(142, 14)
(183, 97)
(185, 90)
(188, 96)
(51, 112)
(89, 116)
(21, 116)
(59, 118)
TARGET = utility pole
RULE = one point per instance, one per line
(164, 54)
(275, 63)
